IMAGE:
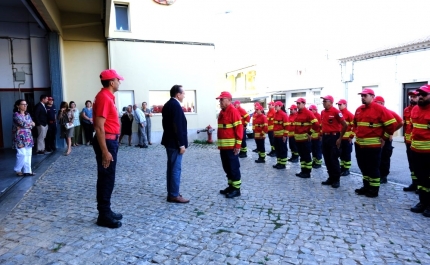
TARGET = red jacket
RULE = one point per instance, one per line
(290, 124)
(407, 126)
(331, 120)
(259, 126)
(245, 116)
(280, 124)
(305, 124)
(317, 134)
(371, 123)
(230, 128)
(270, 116)
(420, 135)
(349, 119)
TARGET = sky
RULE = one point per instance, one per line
(298, 32)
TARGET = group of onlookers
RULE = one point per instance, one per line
(142, 116)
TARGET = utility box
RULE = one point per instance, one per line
(19, 77)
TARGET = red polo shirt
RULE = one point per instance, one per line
(331, 120)
(104, 106)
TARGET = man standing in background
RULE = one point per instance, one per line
(51, 112)
(41, 121)
(148, 114)
(346, 144)
(141, 123)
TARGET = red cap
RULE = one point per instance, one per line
(236, 102)
(328, 97)
(367, 91)
(50, 98)
(293, 107)
(342, 101)
(379, 98)
(258, 107)
(279, 103)
(413, 93)
(224, 94)
(272, 103)
(257, 104)
(301, 100)
(425, 88)
(110, 74)
(311, 107)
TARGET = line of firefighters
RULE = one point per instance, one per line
(312, 136)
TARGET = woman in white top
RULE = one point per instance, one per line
(76, 123)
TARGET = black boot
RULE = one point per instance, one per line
(361, 191)
(419, 208)
(260, 160)
(372, 192)
(412, 187)
(255, 150)
(327, 182)
(383, 180)
(305, 175)
(345, 173)
(426, 212)
(294, 159)
(242, 154)
(116, 216)
(108, 221)
(226, 190)
(233, 193)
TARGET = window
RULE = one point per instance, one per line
(280, 97)
(298, 95)
(124, 98)
(157, 99)
(121, 12)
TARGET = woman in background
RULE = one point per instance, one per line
(22, 139)
(65, 116)
(87, 122)
(76, 123)
(126, 123)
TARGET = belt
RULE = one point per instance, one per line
(110, 136)
(331, 133)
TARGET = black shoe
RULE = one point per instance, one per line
(383, 180)
(138, 145)
(419, 208)
(40, 152)
(116, 216)
(426, 212)
(275, 166)
(226, 190)
(411, 187)
(327, 182)
(144, 146)
(279, 166)
(260, 161)
(304, 175)
(371, 193)
(242, 155)
(48, 151)
(233, 193)
(345, 173)
(272, 154)
(109, 222)
(294, 160)
(361, 191)
(316, 165)
(255, 150)
(335, 185)
(299, 174)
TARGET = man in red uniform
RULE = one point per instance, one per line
(259, 125)
(420, 149)
(230, 133)
(280, 130)
(373, 126)
(407, 129)
(346, 144)
(304, 125)
(316, 140)
(107, 128)
(291, 141)
(245, 120)
(270, 115)
(387, 149)
(333, 128)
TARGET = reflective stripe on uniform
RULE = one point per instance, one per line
(420, 145)
(368, 141)
(369, 124)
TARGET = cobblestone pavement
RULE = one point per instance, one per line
(279, 219)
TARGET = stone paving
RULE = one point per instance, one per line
(279, 219)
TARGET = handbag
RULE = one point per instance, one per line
(68, 126)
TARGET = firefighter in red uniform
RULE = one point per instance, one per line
(316, 140)
(291, 141)
(407, 129)
(230, 133)
(259, 126)
(346, 144)
(245, 120)
(373, 126)
(420, 149)
(333, 128)
(280, 130)
(304, 125)
(387, 149)
(270, 116)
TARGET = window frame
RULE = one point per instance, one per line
(122, 5)
(164, 99)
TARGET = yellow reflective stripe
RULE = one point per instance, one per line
(291, 133)
(279, 133)
(314, 120)
(347, 134)
(302, 136)
(420, 145)
(237, 123)
(246, 115)
(420, 126)
(270, 127)
(226, 142)
(368, 141)
(386, 134)
(256, 134)
(315, 135)
(302, 123)
(408, 136)
(408, 122)
(389, 122)
(367, 124)
(222, 126)
(239, 142)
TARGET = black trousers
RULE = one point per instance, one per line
(51, 135)
(304, 149)
(411, 164)
(281, 151)
(271, 140)
(316, 151)
(243, 147)
(293, 146)
(422, 172)
(368, 160)
(261, 148)
(105, 176)
(387, 151)
(88, 131)
(331, 156)
(345, 154)
(231, 165)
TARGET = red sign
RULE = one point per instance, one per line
(165, 2)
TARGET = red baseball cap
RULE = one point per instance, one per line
(236, 102)
(413, 93)
(293, 107)
(302, 100)
(328, 97)
(51, 98)
(379, 98)
(367, 91)
(224, 94)
(342, 101)
(425, 88)
(311, 107)
(271, 103)
(258, 107)
(279, 103)
(110, 74)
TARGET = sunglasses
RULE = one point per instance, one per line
(423, 94)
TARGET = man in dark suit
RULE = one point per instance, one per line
(41, 120)
(175, 140)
